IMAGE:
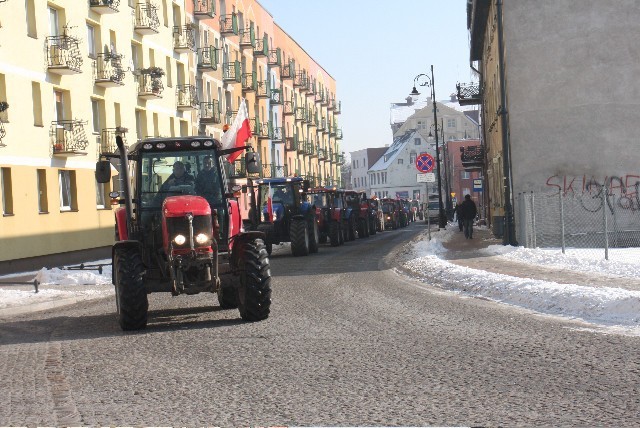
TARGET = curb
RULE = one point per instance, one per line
(38, 307)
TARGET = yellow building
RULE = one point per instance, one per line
(77, 73)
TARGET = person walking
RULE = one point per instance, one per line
(458, 216)
(468, 210)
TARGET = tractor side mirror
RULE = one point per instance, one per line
(103, 171)
(252, 162)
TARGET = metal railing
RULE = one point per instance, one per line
(204, 8)
(184, 38)
(107, 67)
(210, 112)
(145, 18)
(208, 58)
(187, 96)
(108, 139)
(68, 136)
(64, 52)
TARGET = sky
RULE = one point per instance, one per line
(609, 310)
(374, 50)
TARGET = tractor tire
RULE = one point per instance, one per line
(334, 233)
(341, 233)
(228, 296)
(372, 227)
(131, 295)
(299, 234)
(269, 247)
(254, 289)
(365, 228)
(323, 239)
(314, 239)
(353, 228)
(267, 237)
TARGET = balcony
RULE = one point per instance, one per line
(277, 135)
(204, 9)
(262, 47)
(187, 97)
(472, 157)
(324, 98)
(288, 108)
(288, 71)
(184, 39)
(301, 114)
(229, 25)
(274, 59)
(338, 134)
(322, 125)
(247, 38)
(302, 145)
(145, 19)
(104, 6)
(310, 149)
(63, 55)
(108, 139)
(108, 71)
(276, 96)
(290, 144)
(229, 115)
(231, 72)
(322, 154)
(469, 94)
(300, 81)
(210, 113)
(237, 169)
(149, 85)
(264, 130)
(249, 83)
(208, 58)
(264, 89)
(311, 87)
(68, 138)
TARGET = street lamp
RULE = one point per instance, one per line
(430, 82)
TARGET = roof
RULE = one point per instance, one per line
(392, 152)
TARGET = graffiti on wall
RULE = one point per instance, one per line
(621, 191)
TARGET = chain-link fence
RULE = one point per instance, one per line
(597, 219)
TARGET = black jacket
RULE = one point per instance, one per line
(468, 210)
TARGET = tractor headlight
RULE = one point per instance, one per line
(201, 238)
(180, 239)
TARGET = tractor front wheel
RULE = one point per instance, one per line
(314, 239)
(254, 290)
(131, 295)
(299, 234)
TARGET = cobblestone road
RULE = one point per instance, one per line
(349, 342)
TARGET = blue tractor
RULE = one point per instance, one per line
(281, 211)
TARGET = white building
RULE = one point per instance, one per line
(361, 160)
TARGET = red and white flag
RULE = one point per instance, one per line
(270, 204)
(238, 133)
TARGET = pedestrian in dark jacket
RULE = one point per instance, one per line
(458, 216)
(468, 210)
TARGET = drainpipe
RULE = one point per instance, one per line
(509, 236)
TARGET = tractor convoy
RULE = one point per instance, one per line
(179, 227)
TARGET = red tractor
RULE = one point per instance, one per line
(391, 212)
(178, 229)
(357, 201)
(329, 203)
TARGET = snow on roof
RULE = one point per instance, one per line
(393, 151)
(401, 112)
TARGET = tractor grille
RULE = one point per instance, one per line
(180, 226)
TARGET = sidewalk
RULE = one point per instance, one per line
(468, 253)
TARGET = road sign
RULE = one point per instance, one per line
(424, 162)
(429, 177)
(477, 184)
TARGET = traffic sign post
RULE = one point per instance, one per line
(424, 162)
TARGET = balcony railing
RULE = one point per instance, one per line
(302, 145)
(68, 137)
(322, 153)
(3, 133)
(108, 139)
(277, 135)
(229, 25)
(63, 55)
(338, 134)
(237, 169)
(300, 81)
(472, 157)
(145, 19)
(469, 94)
(290, 144)
(231, 72)
(338, 108)
(229, 115)
(208, 58)
(210, 113)
(187, 97)
(311, 86)
(274, 59)
(108, 70)
(104, 6)
(203, 9)
(301, 113)
(262, 47)
(276, 96)
(184, 39)
(247, 37)
(322, 125)
(288, 70)
(264, 89)
(149, 86)
(249, 83)
(288, 108)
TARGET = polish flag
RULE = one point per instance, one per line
(238, 133)
(270, 204)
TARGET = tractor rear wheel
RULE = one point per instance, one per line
(334, 233)
(131, 295)
(299, 234)
(254, 290)
(314, 239)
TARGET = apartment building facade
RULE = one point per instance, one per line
(75, 74)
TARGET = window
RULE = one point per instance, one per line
(36, 101)
(67, 183)
(95, 115)
(417, 141)
(7, 191)
(412, 158)
(101, 191)
(400, 161)
(465, 175)
(31, 19)
(169, 74)
(43, 201)
(451, 123)
(91, 41)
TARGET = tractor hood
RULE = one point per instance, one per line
(179, 206)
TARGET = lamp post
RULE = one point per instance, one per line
(442, 219)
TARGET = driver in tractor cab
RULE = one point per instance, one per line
(282, 196)
(179, 177)
(207, 184)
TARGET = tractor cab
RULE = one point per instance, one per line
(329, 203)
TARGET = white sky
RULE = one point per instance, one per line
(609, 309)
